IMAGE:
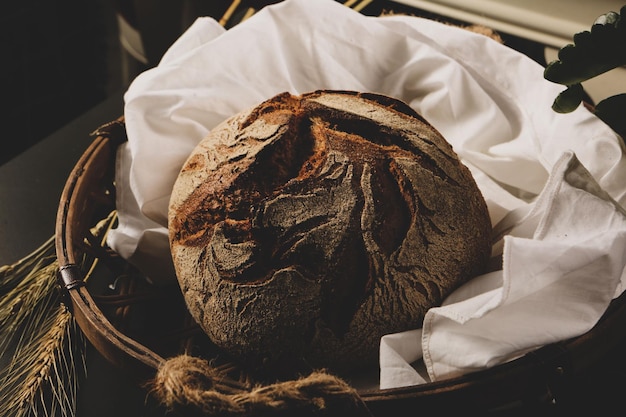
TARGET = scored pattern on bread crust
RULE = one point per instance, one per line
(306, 228)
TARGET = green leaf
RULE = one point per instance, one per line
(569, 99)
(594, 52)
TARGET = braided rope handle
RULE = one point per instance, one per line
(189, 382)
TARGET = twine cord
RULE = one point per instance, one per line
(190, 381)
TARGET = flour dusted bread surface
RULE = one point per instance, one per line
(306, 228)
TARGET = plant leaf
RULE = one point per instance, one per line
(596, 51)
(569, 99)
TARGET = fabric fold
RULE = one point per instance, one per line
(556, 283)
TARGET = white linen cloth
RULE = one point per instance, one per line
(554, 183)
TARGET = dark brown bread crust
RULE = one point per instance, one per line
(305, 229)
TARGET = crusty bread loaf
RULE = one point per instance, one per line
(306, 228)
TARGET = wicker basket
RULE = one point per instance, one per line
(136, 326)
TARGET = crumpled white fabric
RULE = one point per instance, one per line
(554, 183)
(563, 261)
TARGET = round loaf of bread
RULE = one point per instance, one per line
(308, 227)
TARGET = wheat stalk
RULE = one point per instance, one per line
(42, 350)
(12, 275)
(39, 340)
(45, 383)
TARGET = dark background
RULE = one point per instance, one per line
(56, 64)
(62, 57)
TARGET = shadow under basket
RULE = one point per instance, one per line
(138, 327)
